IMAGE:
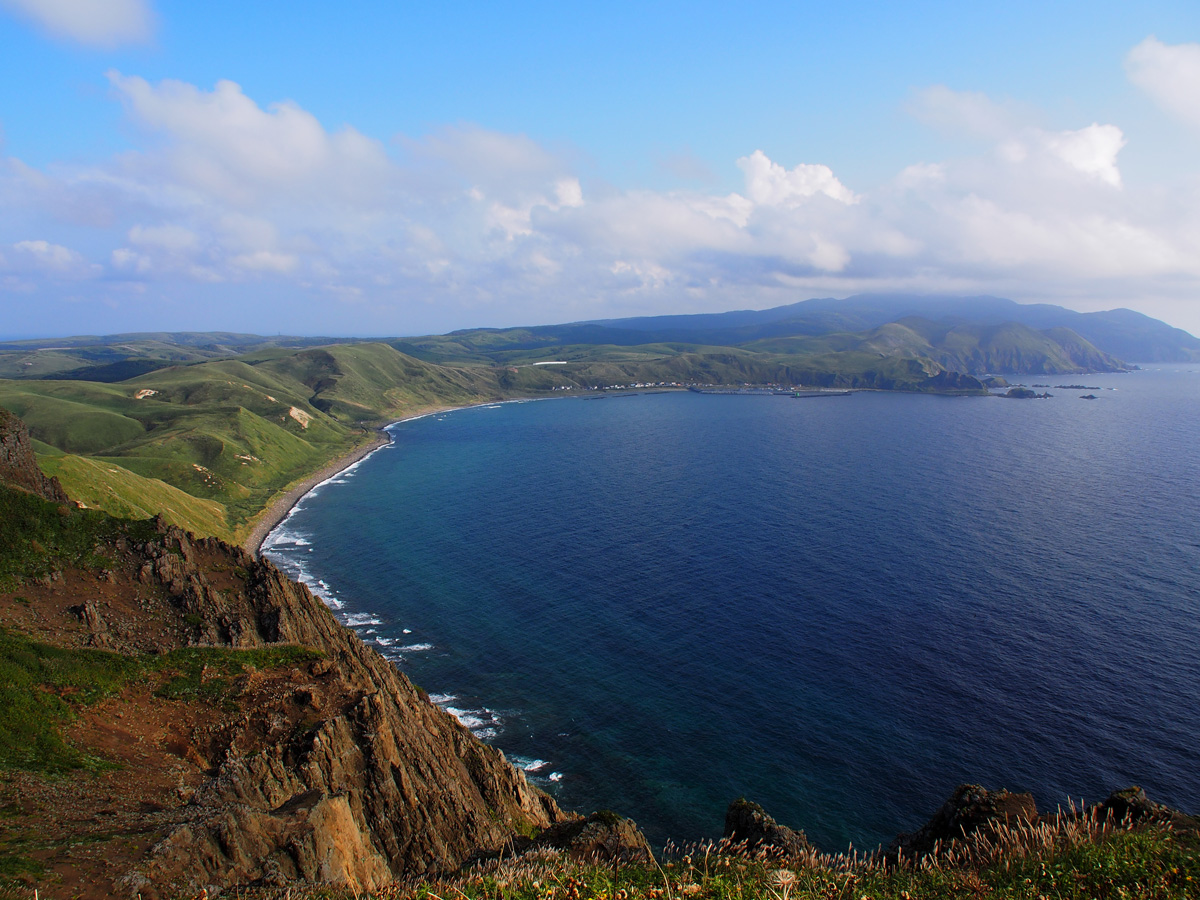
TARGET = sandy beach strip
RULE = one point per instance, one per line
(282, 505)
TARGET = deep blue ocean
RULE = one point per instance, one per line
(840, 608)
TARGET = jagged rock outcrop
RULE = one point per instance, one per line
(951, 381)
(603, 836)
(17, 464)
(335, 769)
(748, 824)
(380, 783)
(970, 809)
(1131, 804)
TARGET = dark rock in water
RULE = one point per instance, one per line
(995, 381)
(17, 464)
(748, 823)
(1087, 397)
(603, 836)
(1131, 803)
(970, 809)
(1020, 393)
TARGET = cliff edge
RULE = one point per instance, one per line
(17, 464)
(251, 739)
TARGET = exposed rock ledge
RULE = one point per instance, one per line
(384, 784)
(339, 770)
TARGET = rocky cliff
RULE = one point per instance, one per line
(17, 464)
(330, 768)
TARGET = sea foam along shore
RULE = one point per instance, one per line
(282, 505)
(279, 508)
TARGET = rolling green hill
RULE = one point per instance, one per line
(210, 444)
(210, 428)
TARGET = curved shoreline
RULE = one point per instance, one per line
(279, 508)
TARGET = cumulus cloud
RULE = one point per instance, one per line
(1170, 75)
(221, 143)
(466, 226)
(96, 23)
(45, 261)
(771, 184)
(49, 256)
(1016, 137)
(1092, 151)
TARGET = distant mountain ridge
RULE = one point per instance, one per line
(212, 428)
(1123, 333)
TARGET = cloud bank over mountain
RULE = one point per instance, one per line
(264, 211)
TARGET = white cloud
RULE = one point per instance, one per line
(1170, 75)
(1017, 139)
(41, 261)
(266, 261)
(50, 256)
(222, 143)
(466, 226)
(174, 238)
(1092, 151)
(96, 23)
(968, 113)
(771, 184)
(127, 260)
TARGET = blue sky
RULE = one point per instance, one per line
(388, 168)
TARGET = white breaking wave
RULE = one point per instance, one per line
(282, 537)
(528, 764)
(319, 588)
(483, 723)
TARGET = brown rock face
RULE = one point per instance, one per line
(382, 784)
(971, 808)
(17, 464)
(748, 823)
(334, 769)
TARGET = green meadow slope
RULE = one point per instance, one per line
(211, 429)
(211, 444)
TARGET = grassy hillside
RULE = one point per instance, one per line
(210, 428)
(103, 484)
(210, 444)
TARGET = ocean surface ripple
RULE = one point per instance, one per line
(839, 608)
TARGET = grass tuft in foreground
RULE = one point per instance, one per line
(1069, 858)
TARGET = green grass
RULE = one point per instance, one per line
(38, 537)
(1146, 863)
(42, 687)
(104, 484)
(206, 673)
(39, 687)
